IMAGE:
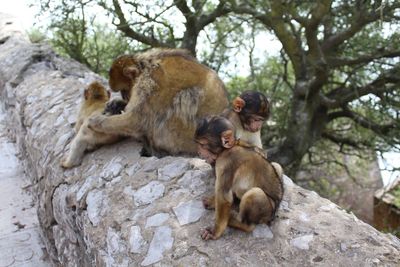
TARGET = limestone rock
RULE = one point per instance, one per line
(161, 242)
(302, 242)
(189, 212)
(263, 231)
(112, 210)
(173, 170)
(156, 220)
(148, 193)
(136, 240)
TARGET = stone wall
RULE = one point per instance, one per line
(120, 209)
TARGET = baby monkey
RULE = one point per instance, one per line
(94, 103)
(242, 174)
(115, 107)
(248, 113)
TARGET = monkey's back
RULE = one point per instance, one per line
(185, 91)
(250, 169)
(177, 73)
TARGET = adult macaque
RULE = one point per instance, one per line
(94, 103)
(241, 174)
(167, 91)
(249, 111)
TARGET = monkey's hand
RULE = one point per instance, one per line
(208, 234)
(67, 163)
(209, 202)
(95, 123)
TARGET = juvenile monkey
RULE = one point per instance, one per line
(95, 97)
(167, 92)
(115, 106)
(248, 113)
(241, 174)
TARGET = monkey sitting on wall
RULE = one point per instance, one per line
(167, 92)
(248, 113)
(94, 103)
(241, 174)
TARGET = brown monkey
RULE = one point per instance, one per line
(241, 174)
(94, 102)
(249, 111)
(167, 91)
(115, 106)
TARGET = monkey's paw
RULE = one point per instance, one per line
(208, 234)
(208, 203)
(95, 123)
(66, 164)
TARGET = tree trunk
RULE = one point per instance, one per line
(189, 41)
(307, 121)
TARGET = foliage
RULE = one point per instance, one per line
(396, 194)
(336, 79)
(96, 46)
(36, 36)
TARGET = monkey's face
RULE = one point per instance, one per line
(204, 151)
(122, 75)
(96, 91)
(118, 81)
(252, 123)
(213, 135)
(253, 109)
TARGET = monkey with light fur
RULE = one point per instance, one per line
(95, 99)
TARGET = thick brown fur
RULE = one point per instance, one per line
(167, 90)
(94, 102)
(241, 173)
(248, 104)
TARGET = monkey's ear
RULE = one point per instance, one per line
(130, 72)
(86, 94)
(238, 103)
(228, 139)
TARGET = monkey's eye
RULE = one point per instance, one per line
(256, 119)
(202, 144)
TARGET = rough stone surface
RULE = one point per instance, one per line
(40, 89)
(156, 220)
(161, 242)
(173, 170)
(148, 193)
(188, 212)
(136, 240)
(20, 243)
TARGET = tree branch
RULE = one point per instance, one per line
(380, 129)
(342, 96)
(219, 11)
(339, 140)
(362, 59)
(318, 12)
(361, 19)
(183, 7)
(274, 20)
(123, 26)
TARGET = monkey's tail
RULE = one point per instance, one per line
(279, 172)
(278, 169)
